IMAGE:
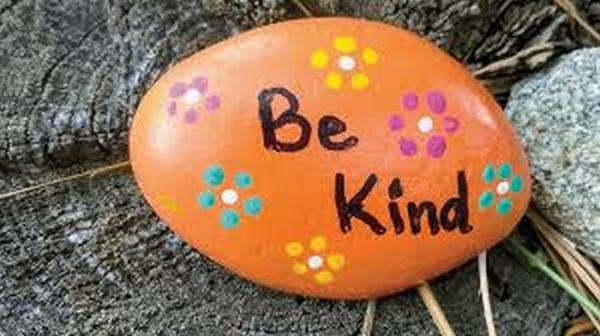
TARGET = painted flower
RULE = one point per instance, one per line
(226, 196)
(503, 182)
(432, 125)
(344, 63)
(315, 259)
(188, 99)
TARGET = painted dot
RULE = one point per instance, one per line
(504, 206)
(336, 262)
(410, 101)
(505, 171)
(207, 199)
(230, 219)
(177, 90)
(503, 188)
(192, 96)
(315, 262)
(242, 180)
(212, 103)
(294, 249)
(486, 200)
(213, 175)
(172, 108)
(344, 44)
(451, 124)
(360, 81)
(407, 147)
(346, 63)
(252, 206)
(436, 102)
(191, 116)
(396, 123)
(333, 81)
(436, 146)
(200, 83)
(323, 277)
(489, 174)
(299, 268)
(370, 56)
(319, 59)
(318, 244)
(229, 196)
(516, 184)
(425, 124)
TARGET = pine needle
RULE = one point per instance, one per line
(86, 174)
(435, 310)
(539, 263)
(485, 294)
(367, 327)
(570, 8)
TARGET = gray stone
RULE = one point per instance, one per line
(557, 114)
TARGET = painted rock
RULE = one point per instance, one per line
(335, 158)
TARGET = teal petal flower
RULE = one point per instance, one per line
(516, 184)
(488, 173)
(252, 206)
(207, 199)
(504, 206)
(242, 180)
(505, 171)
(213, 175)
(486, 200)
(229, 218)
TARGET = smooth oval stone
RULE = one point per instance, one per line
(335, 158)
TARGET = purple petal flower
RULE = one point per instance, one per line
(396, 123)
(172, 108)
(450, 124)
(177, 90)
(407, 147)
(200, 83)
(436, 102)
(410, 101)
(212, 103)
(191, 116)
(436, 146)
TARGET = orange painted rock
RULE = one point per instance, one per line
(335, 158)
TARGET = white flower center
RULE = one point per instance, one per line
(229, 196)
(192, 96)
(425, 124)
(315, 262)
(503, 188)
(346, 63)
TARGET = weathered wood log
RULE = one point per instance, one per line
(91, 258)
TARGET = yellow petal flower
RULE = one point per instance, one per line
(336, 262)
(370, 56)
(360, 81)
(324, 277)
(299, 268)
(319, 59)
(333, 81)
(294, 249)
(344, 44)
(318, 243)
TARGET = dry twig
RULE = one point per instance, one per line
(435, 310)
(485, 294)
(367, 326)
(570, 8)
